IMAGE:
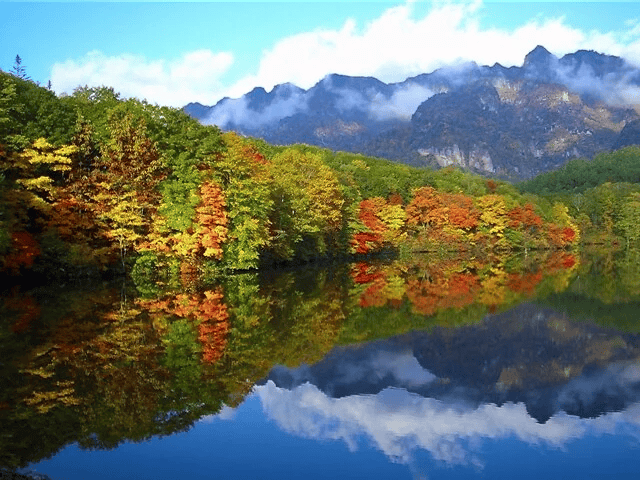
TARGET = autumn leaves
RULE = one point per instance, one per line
(455, 221)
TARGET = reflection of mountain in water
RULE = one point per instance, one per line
(528, 355)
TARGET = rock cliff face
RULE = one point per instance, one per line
(514, 128)
(509, 122)
(630, 135)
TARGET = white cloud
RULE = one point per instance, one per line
(403, 102)
(237, 111)
(193, 77)
(398, 44)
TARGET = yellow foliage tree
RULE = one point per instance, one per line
(493, 216)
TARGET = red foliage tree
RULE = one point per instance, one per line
(25, 307)
(524, 282)
(23, 252)
(568, 235)
(365, 242)
(365, 273)
(374, 295)
(369, 215)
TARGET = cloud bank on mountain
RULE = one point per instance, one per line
(238, 111)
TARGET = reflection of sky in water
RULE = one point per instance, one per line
(400, 423)
(377, 412)
(278, 433)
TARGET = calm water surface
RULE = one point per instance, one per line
(458, 368)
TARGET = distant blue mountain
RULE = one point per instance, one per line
(508, 122)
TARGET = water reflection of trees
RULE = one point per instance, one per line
(104, 365)
(605, 290)
(424, 292)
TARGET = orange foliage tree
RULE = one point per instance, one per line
(563, 232)
(22, 252)
(446, 218)
(426, 209)
(205, 238)
(380, 222)
(212, 219)
(442, 291)
(370, 237)
(524, 217)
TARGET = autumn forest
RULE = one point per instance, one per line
(94, 183)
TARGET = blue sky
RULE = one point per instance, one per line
(175, 53)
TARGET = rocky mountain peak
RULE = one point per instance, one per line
(514, 122)
(599, 64)
(539, 64)
(539, 56)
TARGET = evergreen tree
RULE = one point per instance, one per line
(19, 70)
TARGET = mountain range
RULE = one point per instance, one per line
(512, 123)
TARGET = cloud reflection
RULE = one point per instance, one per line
(399, 422)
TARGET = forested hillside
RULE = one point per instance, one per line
(91, 182)
(603, 194)
(580, 174)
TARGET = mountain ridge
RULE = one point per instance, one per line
(510, 122)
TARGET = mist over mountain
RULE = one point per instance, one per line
(511, 122)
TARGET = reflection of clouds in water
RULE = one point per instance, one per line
(225, 413)
(399, 422)
(617, 381)
(345, 373)
(403, 367)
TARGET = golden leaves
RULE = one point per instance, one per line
(46, 400)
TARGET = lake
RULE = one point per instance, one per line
(428, 367)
